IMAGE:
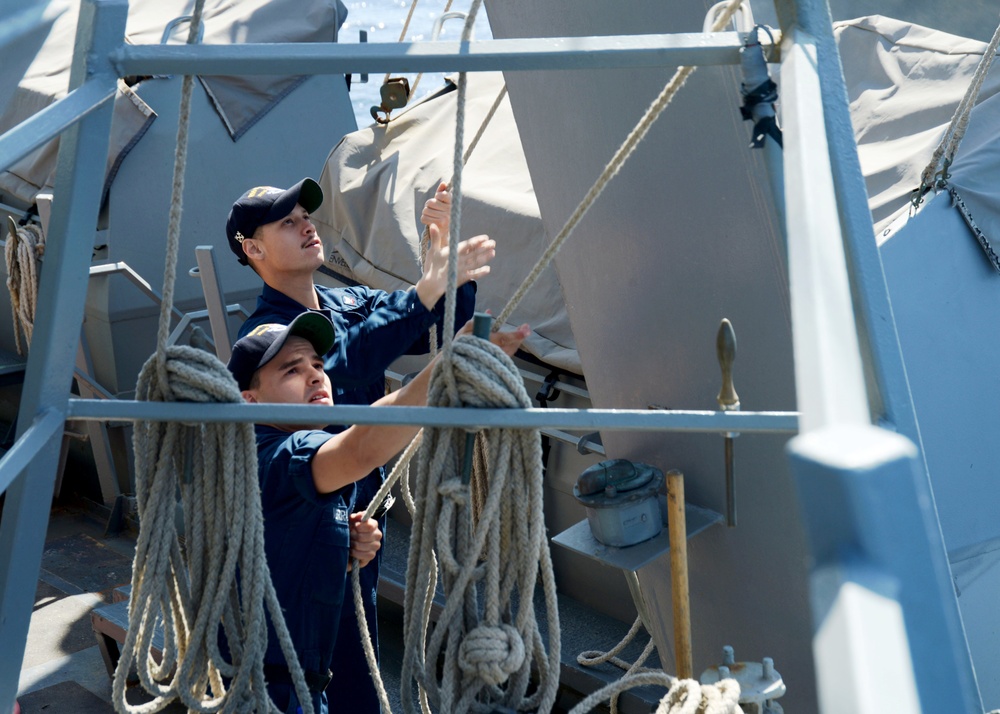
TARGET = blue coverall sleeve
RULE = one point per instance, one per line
(396, 323)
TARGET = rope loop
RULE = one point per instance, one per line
(189, 591)
(23, 252)
(491, 654)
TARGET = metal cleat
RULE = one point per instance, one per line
(760, 684)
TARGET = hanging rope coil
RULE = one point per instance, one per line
(495, 561)
(193, 590)
(400, 472)
(23, 253)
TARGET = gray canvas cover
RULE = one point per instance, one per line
(239, 101)
(377, 179)
(904, 83)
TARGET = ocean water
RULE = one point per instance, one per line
(384, 21)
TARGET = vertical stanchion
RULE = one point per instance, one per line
(677, 530)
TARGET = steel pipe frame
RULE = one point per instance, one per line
(83, 120)
(934, 639)
(62, 292)
(535, 418)
(24, 138)
(610, 52)
(47, 427)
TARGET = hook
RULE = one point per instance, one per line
(436, 30)
(395, 92)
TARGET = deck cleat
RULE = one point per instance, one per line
(760, 684)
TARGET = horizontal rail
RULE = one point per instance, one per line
(589, 419)
(53, 120)
(611, 52)
(35, 438)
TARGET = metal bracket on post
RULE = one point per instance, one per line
(215, 301)
(729, 400)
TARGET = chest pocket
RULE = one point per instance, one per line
(350, 312)
(328, 564)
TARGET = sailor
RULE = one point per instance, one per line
(308, 478)
(269, 229)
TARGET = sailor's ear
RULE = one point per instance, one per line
(248, 396)
(251, 248)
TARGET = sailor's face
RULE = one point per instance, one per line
(294, 376)
(291, 243)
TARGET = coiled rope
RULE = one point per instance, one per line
(935, 175)
(23, 253)
(191, 589)
(489, 660)
(494, 561)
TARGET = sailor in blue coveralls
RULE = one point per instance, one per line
(308, 479)
(269, 229)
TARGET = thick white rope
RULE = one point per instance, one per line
(953, 135)
(684, 696)
(592, 658)
(191, 591)
(23, 253)
(487, 635)
(400, 472)
(611, 170)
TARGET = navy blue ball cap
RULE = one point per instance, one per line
(260, 346)
(266, 204)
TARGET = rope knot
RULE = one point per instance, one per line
(454, 490)
(491, 653)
